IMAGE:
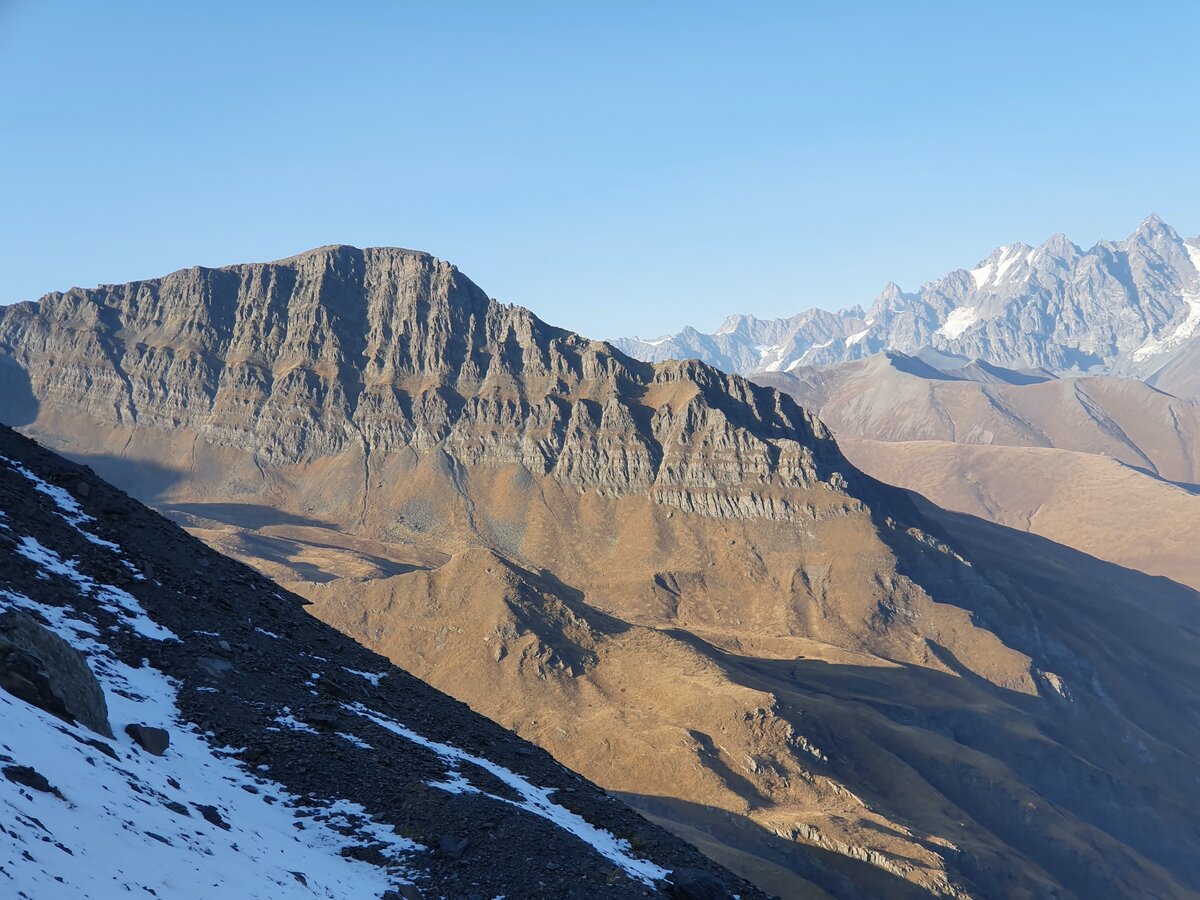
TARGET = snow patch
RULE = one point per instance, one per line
(994, 272)
(370, 676)
(117, 601)
(1007, 261)
(68, 506)
(287, 720)
(1186, 329)
(770, 356)
(982, 275)
(958, 321)
(533, 799)
(132, 826)
(1194, 255)
(356, 741)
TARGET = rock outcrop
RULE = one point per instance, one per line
(390, 350)
(41, 668)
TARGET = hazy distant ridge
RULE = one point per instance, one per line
(1128, 307)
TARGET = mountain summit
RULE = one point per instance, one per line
(1127, 307)
(665, 575)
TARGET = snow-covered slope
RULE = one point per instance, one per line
(242, 747)
(1126, 307)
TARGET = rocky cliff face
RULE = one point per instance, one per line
(667, 576)
(389, 350)
(1123, 307)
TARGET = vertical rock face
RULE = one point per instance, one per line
(667, 576)
(385, 350)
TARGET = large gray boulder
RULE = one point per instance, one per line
(42, 669)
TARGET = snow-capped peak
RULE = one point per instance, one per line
(1049, 306)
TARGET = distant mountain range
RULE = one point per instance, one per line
(1128, 307)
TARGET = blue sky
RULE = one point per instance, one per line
(619, 168)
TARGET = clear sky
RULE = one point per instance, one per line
(620, 168)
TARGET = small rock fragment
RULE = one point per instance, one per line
(211, 815)
(214, 666)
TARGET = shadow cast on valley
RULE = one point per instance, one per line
(242, 515)
(18, 404)
(904, 737)
(1120, 647)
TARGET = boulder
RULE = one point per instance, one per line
(149, 738)
(452, 846)
(45, 671)
(31, 778)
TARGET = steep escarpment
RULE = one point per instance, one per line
(384, 351)
(667, 576)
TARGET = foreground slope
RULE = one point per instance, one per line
(667, 576)
(291, 762)
(1106, 465)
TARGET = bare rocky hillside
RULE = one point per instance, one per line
(1109, 466)
(177, 725)
(668, 577)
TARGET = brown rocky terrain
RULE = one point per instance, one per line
(668, 577)
(1109, 466)
(174, 721)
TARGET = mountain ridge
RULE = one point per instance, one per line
(1127, 307)
(358, 397)
(667, 576)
